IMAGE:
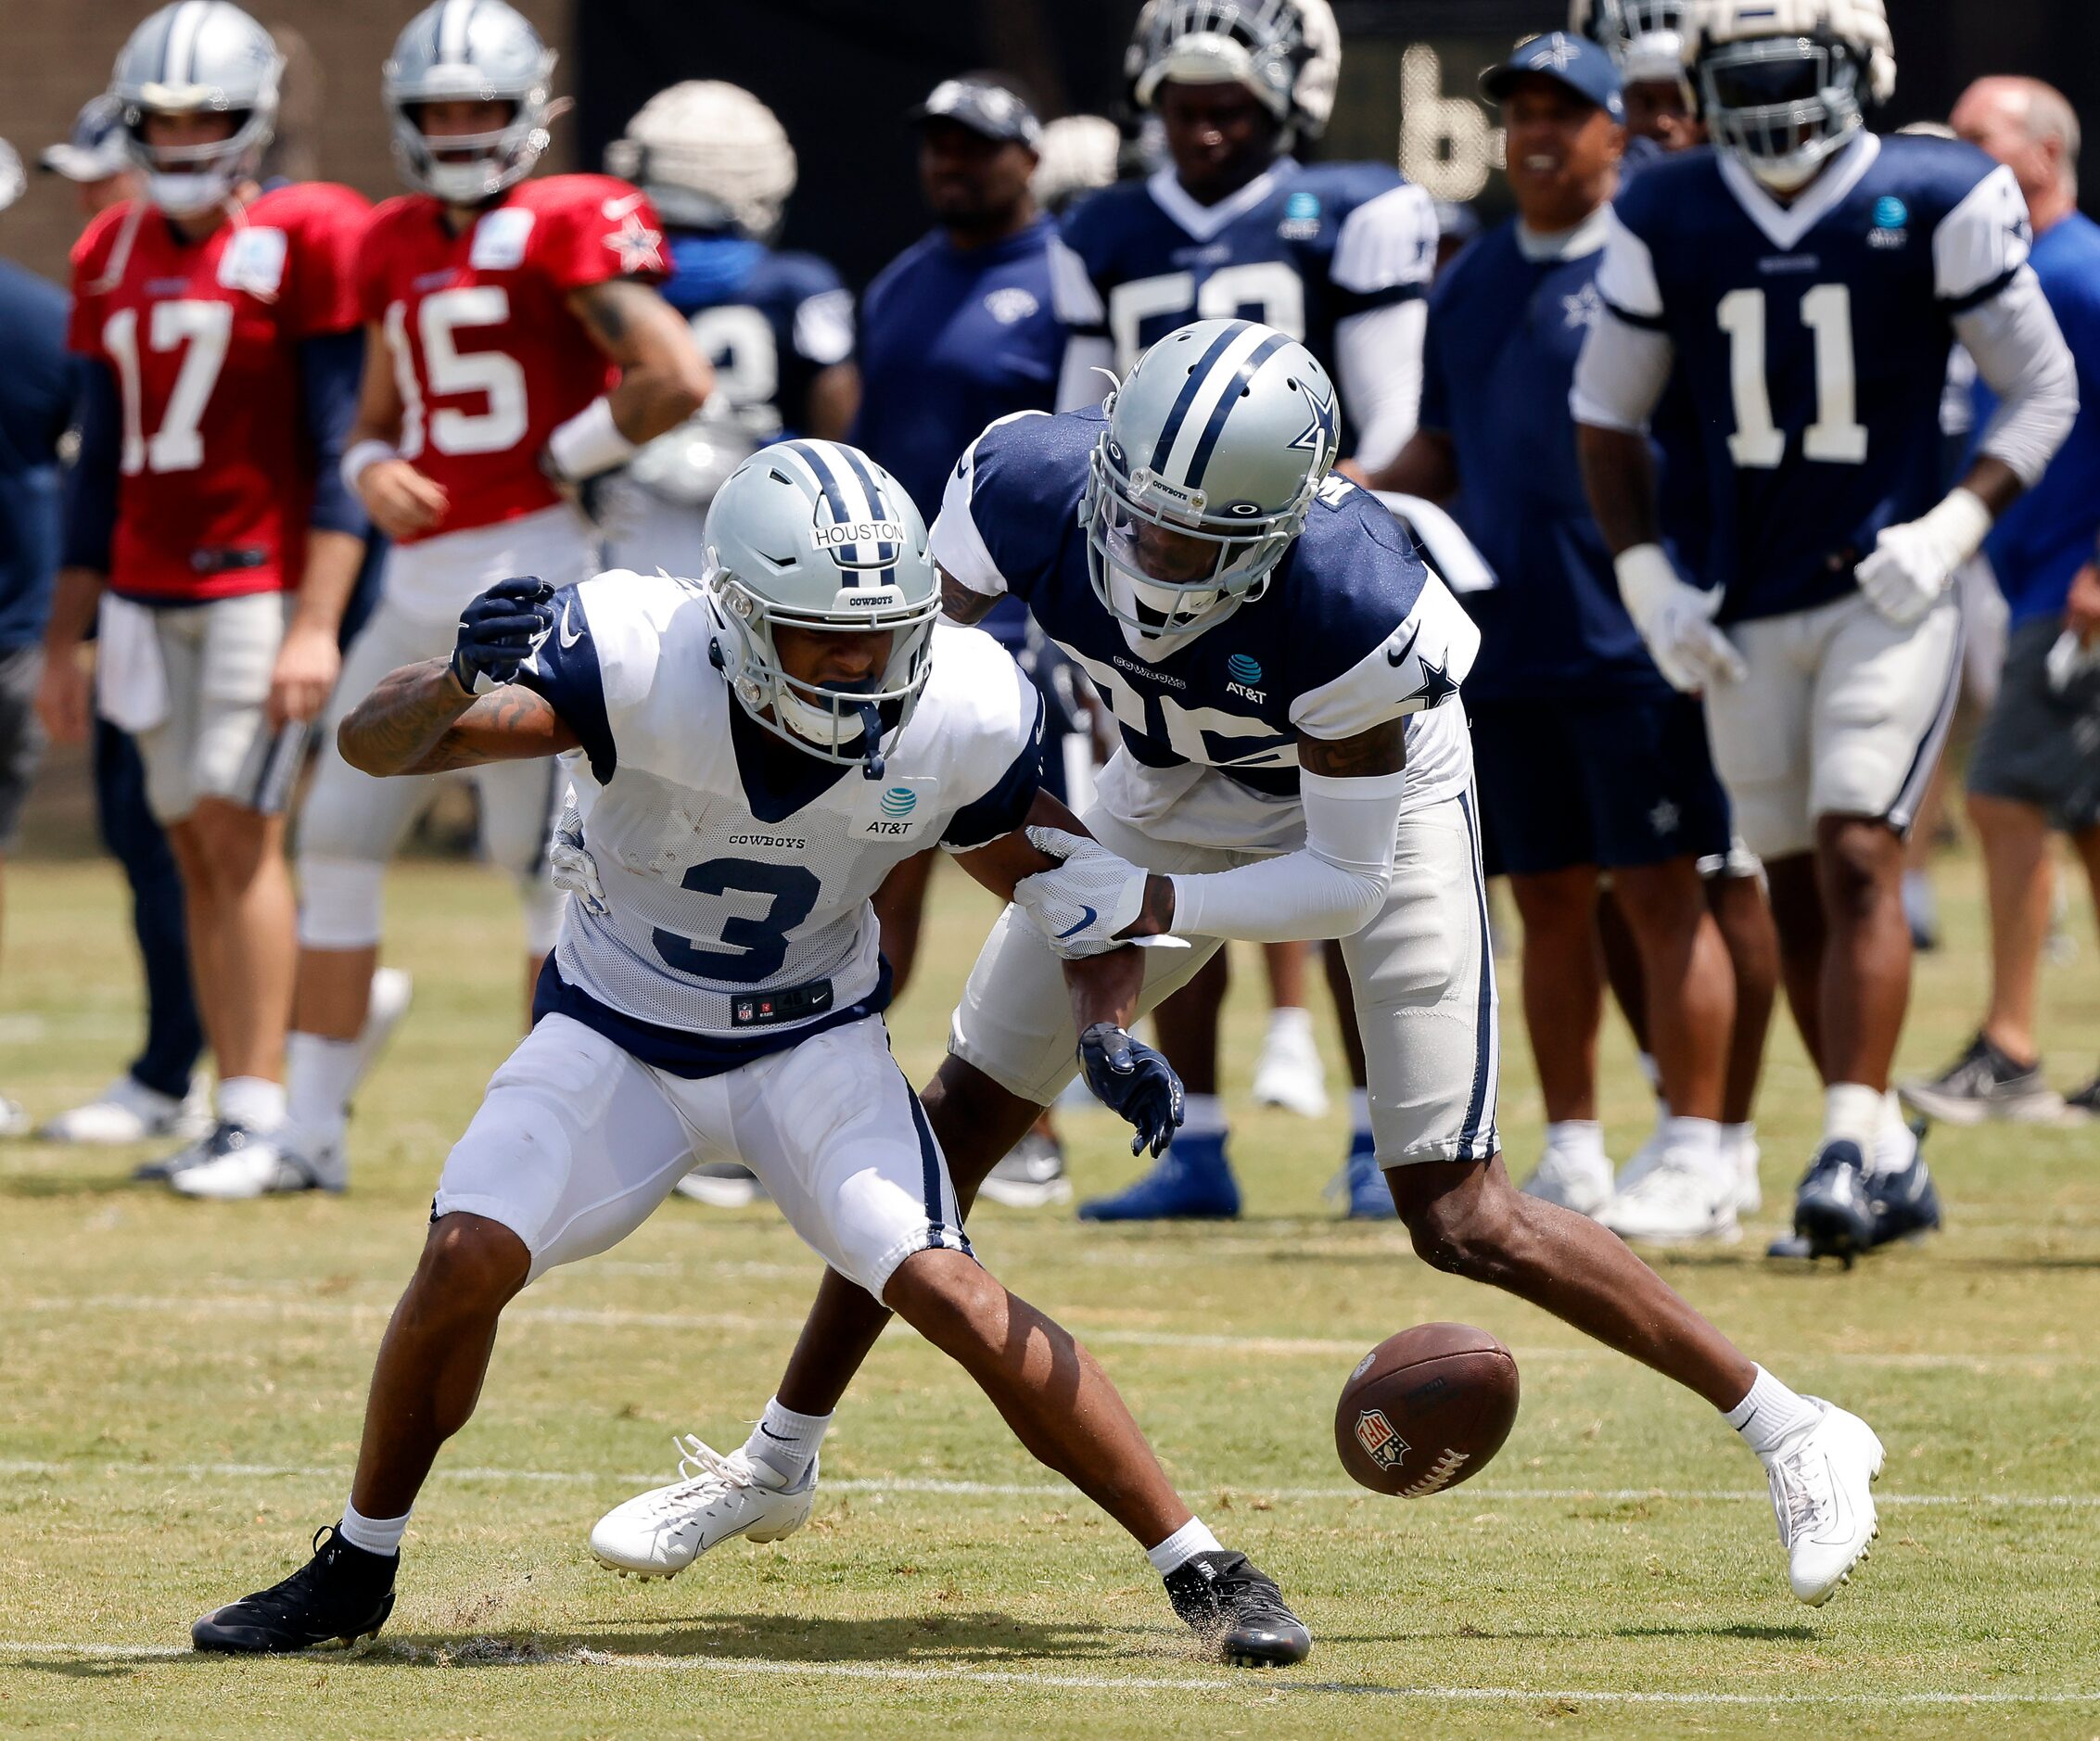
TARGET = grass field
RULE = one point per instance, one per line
(181, 1387)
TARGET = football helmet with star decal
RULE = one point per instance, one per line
(474, 51)
(1222, 436)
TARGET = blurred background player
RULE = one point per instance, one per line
(1587, 760)
(776, 327)
(208, 532)
(2035, 767)
(1828, 697)
(1076, 155)
(514, 352)
(956, 332)
(1337, 255)
(39, 383)
(1646, 38)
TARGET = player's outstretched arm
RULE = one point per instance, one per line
(418, 721)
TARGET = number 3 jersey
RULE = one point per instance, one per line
(1351, 631)
(735, 871)
(1813, 341)
(216, 470)
(488, 357)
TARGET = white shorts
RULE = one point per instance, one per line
(215, 741)
(1842, 713)
(578, 1141)
(1422, 969)
(354, 817)
(435, 579)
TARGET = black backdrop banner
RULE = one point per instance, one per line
(841, 74)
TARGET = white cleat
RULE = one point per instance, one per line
(1574, 1181)
(127, 1110)
(1749, 1194)
(1643, 1161)
(1823, 1495)
(1289, 1072)
(240, 1163)
(393, 991)
(721, 1185)
(15, 1120)
(659, 1534)
(1676, 1203)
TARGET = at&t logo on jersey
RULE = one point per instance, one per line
(1241, 674)
(900, 801)
(1300, 217)
(1890, 217)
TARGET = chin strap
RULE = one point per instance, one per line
(871, 731)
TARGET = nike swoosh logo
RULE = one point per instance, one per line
(617, 209)
(570, 636)
(1400, 657)
(1089, 916)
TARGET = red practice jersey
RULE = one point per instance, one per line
(217, 467)
(488, 357)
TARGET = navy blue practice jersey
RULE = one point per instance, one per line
(1301, 247)
(1812, 339)
(1351, 631)
(770, 323)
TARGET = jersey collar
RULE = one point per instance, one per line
(1785, 225)
(1586, 238)
(1204, 222)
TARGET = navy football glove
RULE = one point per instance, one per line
(499, 630)
(1127, 1075)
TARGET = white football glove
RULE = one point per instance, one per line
(1911, 564)
(572, 867)
(1676, 622)
(1082, 904)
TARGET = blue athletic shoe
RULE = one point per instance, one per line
(1370, 1200)
(1905, 1204)
(1192, 1182)
(1832, 1211)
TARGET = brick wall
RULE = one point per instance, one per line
(55, 54)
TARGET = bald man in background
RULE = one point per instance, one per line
(2036, 764)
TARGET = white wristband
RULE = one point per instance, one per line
(589, 443)
(361, 456)
(1645, 577)
(1962, 520)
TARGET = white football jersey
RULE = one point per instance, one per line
(733, 912)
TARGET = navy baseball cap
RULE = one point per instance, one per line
(96, 149)
(984, 107)
(1574, 61)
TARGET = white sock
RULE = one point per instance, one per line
(1581, 1140)
(1359, 1111)
(786, 1442)
(1735, 1139)
(1288, 1021)
(1192, 1538)
(1694, 1143)
(1769, 1414)
(1851, 1113)
(1653, 1075)
(374, 1536)
(322, 1072)
(254, 1102)
(1894, 1146)
(1203, 1115)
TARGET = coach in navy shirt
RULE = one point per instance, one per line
(1587, 760)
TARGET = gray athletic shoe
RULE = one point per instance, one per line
(1984, 1083)
(1030, 1175)
(721, 1185)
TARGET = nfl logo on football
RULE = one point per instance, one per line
(1382, 1443)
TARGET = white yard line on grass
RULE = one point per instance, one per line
(527, 1655)
(1479, 1496)
(615, 1318)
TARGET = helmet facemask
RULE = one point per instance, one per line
(860, 723)
(1782, 105)
(186, 180)
(465, 168)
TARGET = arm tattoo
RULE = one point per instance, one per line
(1381, 750)
(607, 310)
(394, 726)
(959, 604)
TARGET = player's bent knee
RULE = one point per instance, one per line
(1468, 1227)
(341, 902)
(1859, 861)
(946, 1296)
(470, 1264)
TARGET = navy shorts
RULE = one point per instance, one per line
(1606, 781)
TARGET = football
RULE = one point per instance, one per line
(1426, 1409)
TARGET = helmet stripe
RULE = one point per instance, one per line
(885, 551)
(1190, 388)
(178, 60)
(839, 489)
(1226, 400)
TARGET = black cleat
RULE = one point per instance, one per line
(1239, 1609)
(1905, 1204)
(1832, 1211)
(341, 1596)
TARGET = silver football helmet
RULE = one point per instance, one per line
(198, 56)
(1782, 85)
(1223, 434)
(815, 535)
(710, 156)
(1646, 37)
(470, 50)
(1287, 52)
